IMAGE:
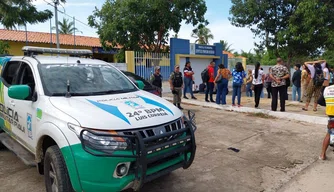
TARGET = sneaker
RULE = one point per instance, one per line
(233, 105)
(179, 106)
(193, 97)
(185, 97)
(213, 101)
(239, 105)
(207, 100)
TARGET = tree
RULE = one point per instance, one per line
(226, 46)
(203, 35)
(20, 12)
(298, 28)
(144, 24)
(66, 27)
(4, 47)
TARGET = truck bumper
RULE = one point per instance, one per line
(147, 161)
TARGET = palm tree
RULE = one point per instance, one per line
(226, 46)
(202, 35)
(66, 27)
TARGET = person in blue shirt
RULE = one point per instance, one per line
(238, 75)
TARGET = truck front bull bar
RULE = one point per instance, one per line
(140, 149)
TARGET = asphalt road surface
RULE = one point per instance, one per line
(275, 155)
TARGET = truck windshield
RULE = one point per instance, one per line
(84, 80)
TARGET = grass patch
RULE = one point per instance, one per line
(261, 115)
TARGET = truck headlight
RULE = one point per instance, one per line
(100, 140)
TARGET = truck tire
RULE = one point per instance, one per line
(55, 171)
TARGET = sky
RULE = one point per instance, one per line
(217, 14)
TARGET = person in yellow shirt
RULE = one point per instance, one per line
(327, 100)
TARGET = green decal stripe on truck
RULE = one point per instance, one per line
(96, 173)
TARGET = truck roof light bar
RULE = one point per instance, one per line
(30, 51)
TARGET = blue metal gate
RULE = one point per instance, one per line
(145, 62)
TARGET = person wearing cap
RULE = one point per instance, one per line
(156, 79)
(176, 85)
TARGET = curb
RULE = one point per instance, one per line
(280, 115)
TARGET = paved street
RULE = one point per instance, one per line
(274, 154)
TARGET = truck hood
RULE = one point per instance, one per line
(118, 111)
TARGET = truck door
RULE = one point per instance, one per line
(25, 108)
(7, 113)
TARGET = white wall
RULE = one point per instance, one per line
(198, 65)
(120, 66)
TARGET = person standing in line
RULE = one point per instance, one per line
(296, 84)
(314, 88)
(326, 76)
(210, 84)
(249, 80)
(279, 74)
(268, 82)
(305, 79)
(176, 85)
(327, 100)
(238, 75)
(258, 79)
(331, 78)
(221, 81)
(188, 80)
(262, 92)
(156, 79)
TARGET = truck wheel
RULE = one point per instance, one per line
(55, 171)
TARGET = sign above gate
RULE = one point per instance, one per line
(197, 49)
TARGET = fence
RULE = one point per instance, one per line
(145, 62)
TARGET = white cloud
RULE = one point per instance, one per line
(240, 38)
(39, 2)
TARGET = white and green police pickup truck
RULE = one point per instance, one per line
(86, 126)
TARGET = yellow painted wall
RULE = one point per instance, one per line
(130, 60)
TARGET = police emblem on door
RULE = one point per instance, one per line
(29, 125)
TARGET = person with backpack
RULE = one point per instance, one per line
(221, 80)
(208, 77)
(176, 85)
(238, 74)
(279, 74)
(316, 83)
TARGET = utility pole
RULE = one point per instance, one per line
(56, 17)
(74, 30)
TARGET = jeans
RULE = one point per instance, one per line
(188, 85)
(294, 90)
(282, 94)
(209, 88)
(236, 92)
(249, 91)
(262, 94)
(221, 92)
(258, 90)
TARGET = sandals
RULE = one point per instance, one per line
(304, 109)
(315, 110)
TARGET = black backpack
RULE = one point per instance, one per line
(205, 75)
(318, 78)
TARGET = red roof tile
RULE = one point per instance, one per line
(39, 37)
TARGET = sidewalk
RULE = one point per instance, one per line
(293, 109)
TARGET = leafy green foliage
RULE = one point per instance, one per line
(144, 24)
(202, 35)
(21, 12)
(4, 47)
(288, 29)
(66, 27)
(226, 46)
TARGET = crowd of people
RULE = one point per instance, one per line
(308, 81)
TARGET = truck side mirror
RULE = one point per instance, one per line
(20, 92)
(140, 84)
